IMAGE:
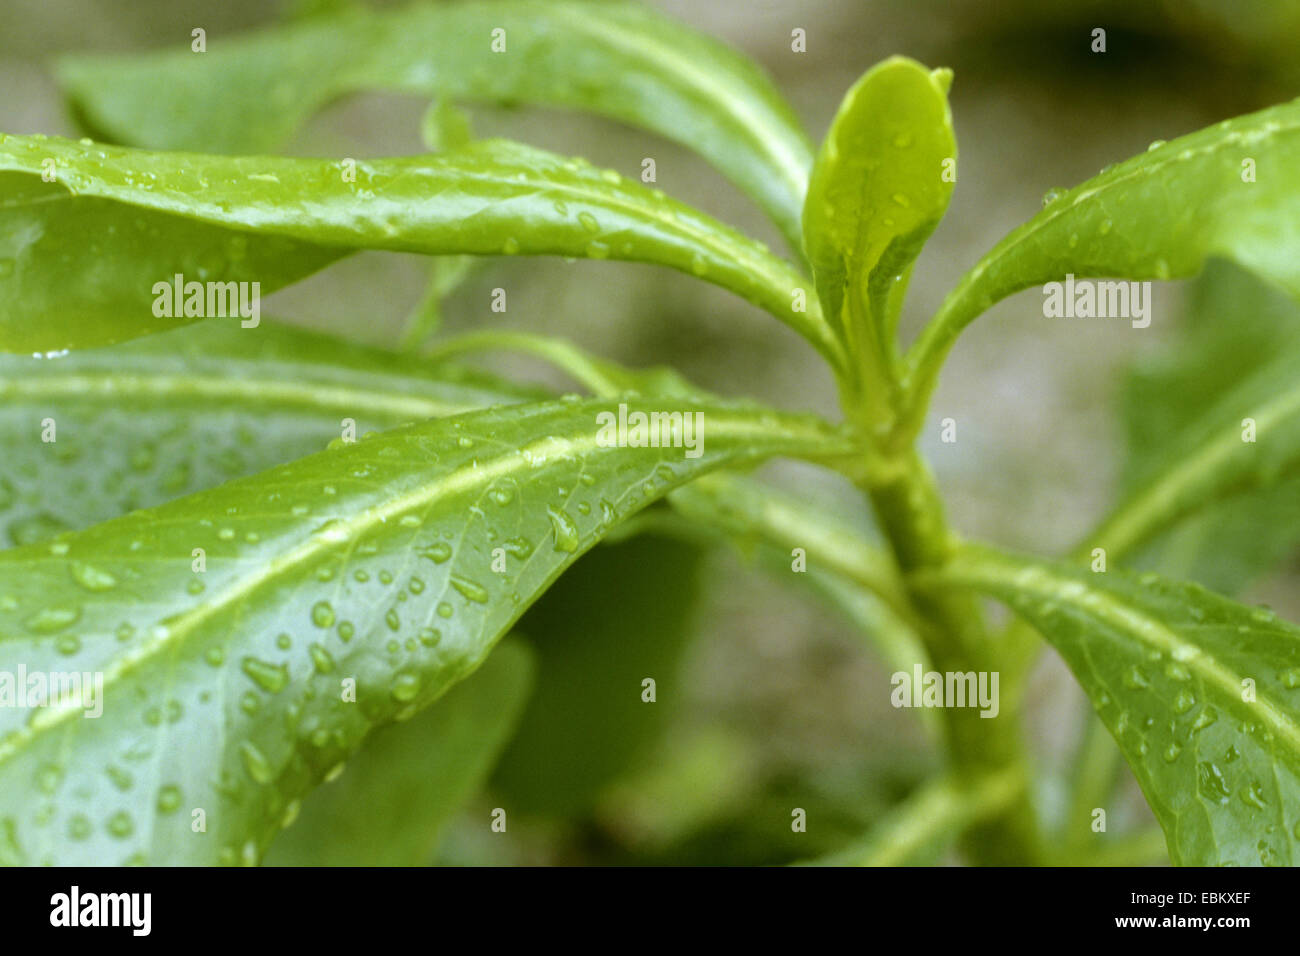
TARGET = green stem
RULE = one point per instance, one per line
(911, 514)
(930, 817)
(1094, 775)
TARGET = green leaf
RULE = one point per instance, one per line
(1166, 665)
(623, 61)
(275, 220)
(877, 191)
(223, 690)
(389, 805)
(1235, 327)
(159, 417)
(598, 635)
(1210, 461)
(1159, 215)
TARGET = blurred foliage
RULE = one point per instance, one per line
(621, 615)
(388, 805)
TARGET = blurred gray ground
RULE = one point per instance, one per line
(1039, 445)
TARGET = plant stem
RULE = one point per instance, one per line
(928, 818)
(911, 514)
(1095, 774)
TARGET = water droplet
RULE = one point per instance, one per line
(430, 637)
(1263, 615)
(121, 778)
(1052, 195)
(511, 246)
(1253, 795)
(255, 762)
(169, 798)
(1155, 144)
(1172, 752)
(1184, 702)
(471, 590)
(406, 687)
(566, 532)
(437, 552)
(1204, 719)
(272, 678)
(80, 827)
(1135, 679)
(321, 659)
(392, 620)
(518, 547)
(1210, 782)
(445, 610)
(121, 825)
(588, 222)
(48, 778)
(322, 615)
(52, 619)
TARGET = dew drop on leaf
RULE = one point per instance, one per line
(437, 553)
(255, 762)
(322, 614)
(406, 687)
(169, 798)
(52, 619)
(566, 532)
(321, 659)
(121, 825)
(80, 827)
(272, 678)
(471, 590)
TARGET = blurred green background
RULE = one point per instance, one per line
(766, 699)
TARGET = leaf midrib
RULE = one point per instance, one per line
(793, 168)
(1127, 525)
(260, 392)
